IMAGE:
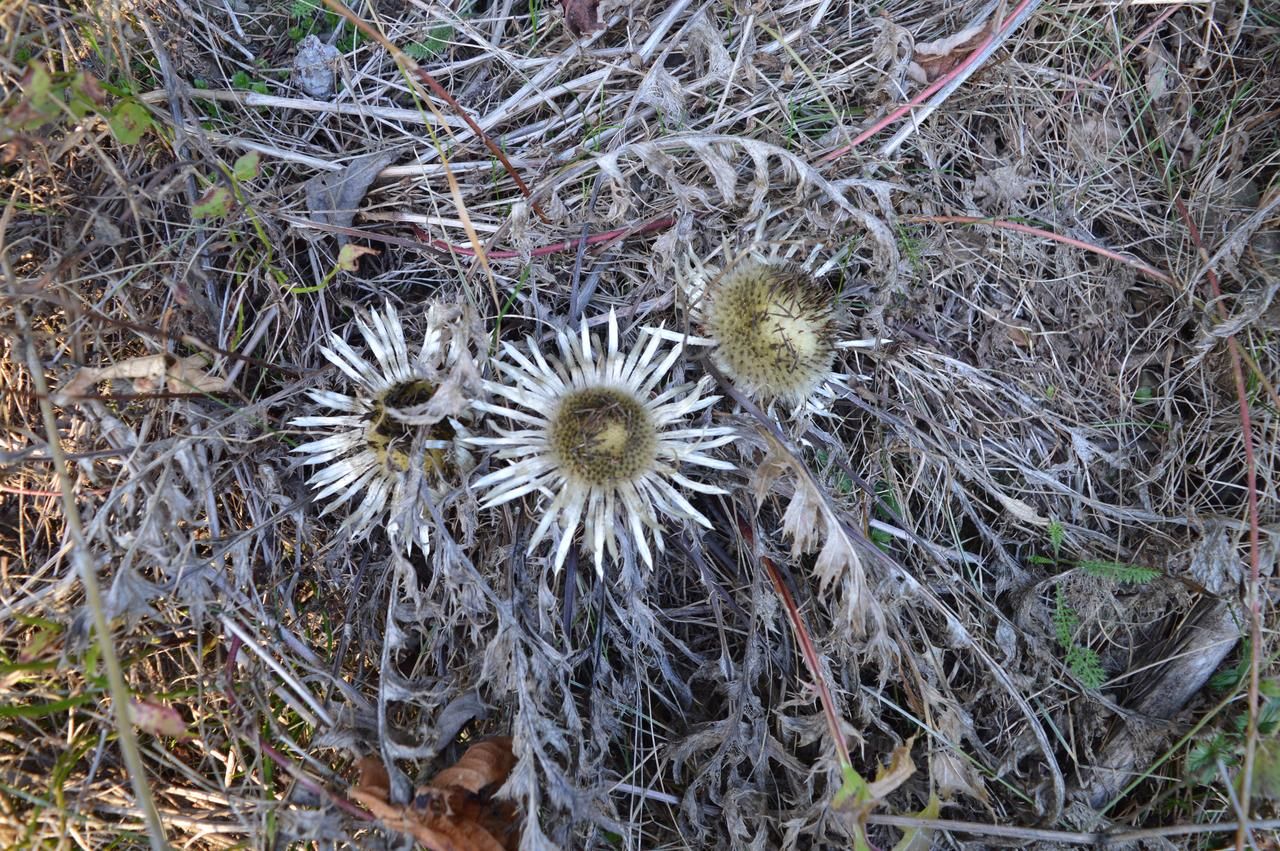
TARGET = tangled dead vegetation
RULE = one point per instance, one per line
(1011, 582)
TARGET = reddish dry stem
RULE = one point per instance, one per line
(927, 92)
(807, 650)
(290, 767)
(1251, 481)
(1132, 262)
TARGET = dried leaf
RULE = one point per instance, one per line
(349, 256)
(898, 771)
(456, 811)
(149, 374)
(860, 797)
(1021, 510)
(582, 16)
(934, 59)
(920, 838)
(949, 772)
(157, 719)
(332, 197)
(483, 765)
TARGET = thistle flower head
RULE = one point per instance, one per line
(601, 438)
(774, 329)
(390, 421)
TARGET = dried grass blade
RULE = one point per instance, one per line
(430, 82)
(1132, 262)
(116, 684)
(1251, 483)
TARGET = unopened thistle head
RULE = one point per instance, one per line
(771, 328)
(378, 434)
(600, 438)
(774, 330)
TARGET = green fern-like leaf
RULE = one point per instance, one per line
(1086, 665)
(1128, 574)
(1065, 620)
(1057, 534)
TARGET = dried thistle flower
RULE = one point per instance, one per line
(601, 440)
(772, 330)
(381, 430)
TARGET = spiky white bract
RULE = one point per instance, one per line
(601, 439)
(374, 439)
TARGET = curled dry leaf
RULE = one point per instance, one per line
(456, 811)
(582, 16)
(349, 256)
(933, 59)
(149, 374)
(158, 719)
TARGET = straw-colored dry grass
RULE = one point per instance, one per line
(1054, 385)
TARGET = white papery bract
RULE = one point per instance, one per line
(374, 436)
(601, 440)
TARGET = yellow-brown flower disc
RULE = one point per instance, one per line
(774, 329)
(601, 435)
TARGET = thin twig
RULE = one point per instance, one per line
(553, 248)
(962, 73)
(412, 67)
(116, 684)
(1251, 483)
(807, 650)
(965, 68)
(1132, 262)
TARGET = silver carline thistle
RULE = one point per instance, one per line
(376, 436)
(772, 329)
(600, 438)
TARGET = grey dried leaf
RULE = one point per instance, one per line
(333, 197)
(1215, 564)
(707, 46)
(664, 93)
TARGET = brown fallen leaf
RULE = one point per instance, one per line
(582, 16)
(456, 811)
(933, 59)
